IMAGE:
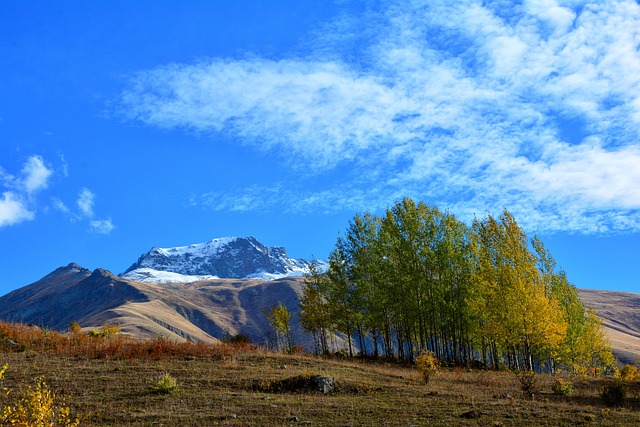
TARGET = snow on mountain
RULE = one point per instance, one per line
(226, 257)
(150, 275)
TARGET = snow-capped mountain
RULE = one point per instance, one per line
(226, 257)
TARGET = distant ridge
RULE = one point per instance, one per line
(206, 311)
(620, 314)
(225, 257)
(182, 293)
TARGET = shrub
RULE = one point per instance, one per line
(35, 408)
(528, 383)
(304, 383)
(428, 365)
(110, 329)
(75, 328)
(238, 339)
(105, 331)
(94, 333)
(613, 394)
(562, 386)
(629, 373)
(105, 343)
(165, 384)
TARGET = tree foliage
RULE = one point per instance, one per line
(417, 279)
(279, 318)
(314, 315)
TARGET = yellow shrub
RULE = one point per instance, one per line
(629, 373)
(165, 384)
(35, 408)
(428, 365)
(75, 328)
(110, 329)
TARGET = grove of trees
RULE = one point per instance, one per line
(417, 278)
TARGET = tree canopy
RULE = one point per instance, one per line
(417, 278)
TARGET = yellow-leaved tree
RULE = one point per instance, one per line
(585, 348)
(518, 320)
(280, 320)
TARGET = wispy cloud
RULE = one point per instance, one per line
(103, 226)
(85, 202)
(17, 204)
(20, 201)
(60, 206)
(532, 106)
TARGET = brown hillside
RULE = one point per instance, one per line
(210, 310)
(620, 312)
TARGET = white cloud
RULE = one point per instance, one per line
(36, 174)
(104, 226)
(60, 206)
(551, 12)
(85, 202)
(534, 107)
(318, 110)
(17, 204)
(13, 210)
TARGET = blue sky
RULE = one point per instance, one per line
(126, 125)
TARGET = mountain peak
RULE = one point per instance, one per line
(223, 257)
(70, 268)
(100, 273)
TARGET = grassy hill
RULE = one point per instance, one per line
(106, 382)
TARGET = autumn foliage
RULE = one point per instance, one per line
(34, 407)
(106, 343)
(417, 278)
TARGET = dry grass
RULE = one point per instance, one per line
(219, 391)
(218, 388)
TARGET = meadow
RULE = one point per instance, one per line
(114, 380)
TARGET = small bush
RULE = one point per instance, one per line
(428, 365)
(165, 384)
(528, 383)
(614, 394)
(75, 328)
(304, 383)
(106, 331)
(238, 339)
(629, 373)
(562, 386)
(35, 407)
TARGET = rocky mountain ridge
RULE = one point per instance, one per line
(206, 310)
(226, 257)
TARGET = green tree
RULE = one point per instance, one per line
(418, 279)
(592, 352)
(314, 314)
(280, 320)
(340, 294)
(362, 259)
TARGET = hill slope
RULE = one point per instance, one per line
(205, 310)
(620, 312)
(212, 309)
